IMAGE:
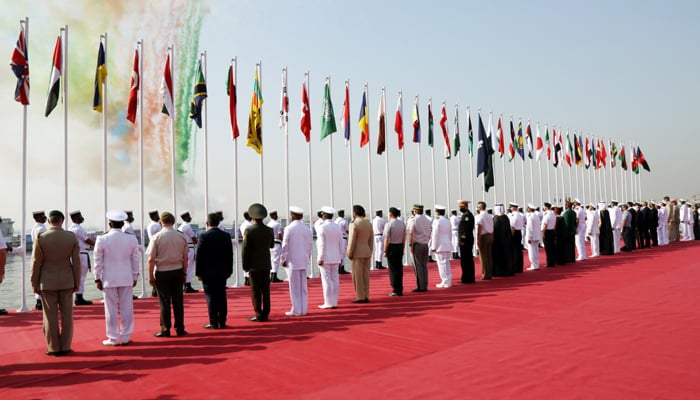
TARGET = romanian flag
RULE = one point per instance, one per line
(305, 113)
(20, 67)
(200, 93)
(100, 76)
(232, 102)
(254, 138)
(133, 102)
(55, 80)
(363, 122)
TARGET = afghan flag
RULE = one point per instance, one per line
(398, 121)
(381, 117)
(416, 122)
(254, 137)
(132, 104)
(642, 160)
(328, 116)
(20, 67)
(445, 134)
(539, 149)
(455, 138)
(363, 122)
(200, 93)
(345, 118)
(100, 76)
(55, 80)
(232, 102)
(305, 124)
(470, 133)
(166, 89)
(430, 123)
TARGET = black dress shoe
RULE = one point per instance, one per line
(361, 301)
(38, 305)
(62, 353)
(52, 353)
(80, 301)
(223, 326)
(190, 289)
(181, 332)
(342, 271)
(3, 311)
(417, 290)
(162, 334)
(210, 326)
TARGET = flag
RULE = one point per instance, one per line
(528, 138)
(623, 159)
(55, 80)
(570, 150)
(603, 154)
(345, 118)
(546, 143)
(232, 102)
(305, 113)
(284, 102)
(328, 117)
(521, 143)
(416, 122)
(254, 137)
(470, 133)
(100, 76)
(430, 123)
(363, 122)
(635, 161)
(398, 121)
(20, 67)
(557, 147)
(445, 134)
(513, 145)
(613, 154)
(381, 117)
(199, 94)
(166, 89)
(133, 102)
(578, 156)
(501, 139)
(642, 160)
(483, 157)
(538, 143)
(492, 134)
(455, 137)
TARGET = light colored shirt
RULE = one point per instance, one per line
(344, 226)
(297, 245)
(187, 232)
(517, 220)
(36, 230)
(395, 230)
(116, 259)
(276, 229)
(549, 220)
(616, 217)
(441, 237)
(82, 237)
(593, 223)
(421, 227)
(378, 224)
(329, 243)
(581, 216)
(153, 228)
(245, 225)
(532, 229)
(169, 249)
(485, 220)
(127, 228)
(454, 221)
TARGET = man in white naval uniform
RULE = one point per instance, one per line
(330, 249)
(244, 225)
(593, 229)
(116, 273)
(275, 252)
(297, 245)
(441, 244)
(344, 229)
(378, 223)
(39, 227)
(533, 236)
(616, 223)
(186, 229)
(84, 242)
(580, 230)
(454, 223)
(686, 215)
(127, 228)
(151, 230)
(661, 231)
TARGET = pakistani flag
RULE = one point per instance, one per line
(328, 117)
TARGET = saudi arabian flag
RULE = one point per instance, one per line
(327, 117)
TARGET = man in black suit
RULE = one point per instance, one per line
(466, 243)
(214, 264)
(255, 253)
(643, 219)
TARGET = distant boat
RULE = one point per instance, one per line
(6, 227)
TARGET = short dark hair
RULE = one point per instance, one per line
(213, 219)
(56, 216)
(394, 211)
(481, 205)
(116, 224)
(359, 210)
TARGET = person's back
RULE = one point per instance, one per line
(329, 243)
(257, 242)
(361, 241)
(214, 258)
(57, 253)
(115, 252)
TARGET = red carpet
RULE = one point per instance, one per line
(618, 327)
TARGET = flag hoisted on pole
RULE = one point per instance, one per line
(55, 78)
(254, 138)
(305, 126)
(363, 122)
(457, 145)
(167, 93)
(345, 124)
(448, 149)
(470, 147)
(99, 104)
(198, 114)
(430, 142)
(231, 84)
(483, 155)
(284, 124)
(20, 64)
(417, 139)
(382, 137)
(232, 101)
(132, 104)
(493, 144)
(398, 128)
(327, 128)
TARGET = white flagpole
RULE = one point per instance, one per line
(23, 239)
(330, 148)
(234, 67)
(532, 182)
(490, 133)
(285, 120)
(369, 150)
(386, 152)
(349, 146)
(547, 166)
(144, 277)
(573, 162)
(459, 159)
(420, 163)
(522, 170)
(515, 190)
(556, 180)
(308, 163)
(539, 165)
(432, 151)
(483, 187)
(104, 134)
(471, 156)
(64, 73)
(447, 161)
(503, 157)
(205, 126)
(262, 181)
(403, 160)
(171, 50)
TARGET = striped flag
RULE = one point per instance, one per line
(132, 104)
(513, 144)
(363, 121)
(528, 139)
(416, 122)
(305, 113)
(445, 134)
(232, 102)
(501, 139)
(55, 80)
(20, 67)
(546, 143)
(521, 143)
(100, 76)
(200, 93)
(166, 89)
(398, 121)
(345, 118)
(254, 136)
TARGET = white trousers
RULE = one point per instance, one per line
(595, 244)
(190, 264)
(84, 260)
(616, 241)
(275, 253)
(455, 241)
(689, 234)
(378, 249)
(443, 261)
(330, 283)
(119, 303)
(662, 235)
(533, 253)
(581, 245)
(298, 291)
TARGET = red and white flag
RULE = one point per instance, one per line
(539, 143)
(305, 113)
(398, 121)
(132, 104)
(20, 66)
(445, 134)
(166, 89)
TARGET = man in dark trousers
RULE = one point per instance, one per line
(255, 252)
(570, 221)
(466, 242)
(214, 264)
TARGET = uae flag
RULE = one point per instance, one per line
(55, 80)
(133, 102)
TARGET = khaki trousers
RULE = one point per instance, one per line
(360, 277)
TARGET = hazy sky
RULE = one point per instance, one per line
(616, 69)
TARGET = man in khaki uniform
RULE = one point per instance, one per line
(55, 275)
(360, 248)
